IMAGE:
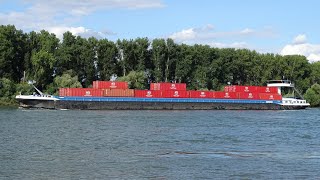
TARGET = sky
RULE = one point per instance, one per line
(268, 26)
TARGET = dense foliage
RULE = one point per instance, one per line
(52, 63)
(313, 94)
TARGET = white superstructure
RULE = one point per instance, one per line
(37, 97)
(287, 101)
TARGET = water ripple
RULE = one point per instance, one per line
(53, 144)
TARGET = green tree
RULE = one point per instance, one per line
(298, 70)
(127, 57)
(41, 61)
(184, 64)
(86, 59)
(141, 52)
(33, 46)
(241, 65)
(315, 72)
(263, 69)
(67, 54)
(172, 55)
(91, 61)
(107, 59)
(313, 95)
(136, 80)
(24, 88)
(7, 91)
(67, 80)
(12, 52)
(43, 68)
(159, 50)
(48, 42)
(226, 67)
(201, 66)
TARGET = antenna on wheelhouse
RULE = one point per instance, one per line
(31, 82)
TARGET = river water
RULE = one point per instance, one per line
(55, 144)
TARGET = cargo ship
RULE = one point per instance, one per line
(115, 95)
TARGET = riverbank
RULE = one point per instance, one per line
(4, 102)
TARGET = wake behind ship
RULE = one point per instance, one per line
(115, 95)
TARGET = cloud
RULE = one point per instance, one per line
(300, 39)
(184, 35)
(247, 31)
(208, 33)
(301, 47)
(78, 31)
(85, 7)
(59, 15)
(237, 45)
(314, 57)
(221, 39)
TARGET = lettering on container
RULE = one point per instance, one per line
(246, 89)
(176, 94)
(202, 94)
(113, 85)
(267, 89)
(226, 95)
(173, 86)
(149, 94)
(87, 93)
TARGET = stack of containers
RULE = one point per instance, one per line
(269, 93)
(166, 90)
(254, 92)
(171, 90)
(114, 88)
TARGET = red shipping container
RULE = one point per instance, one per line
(155, 86)
(229, 89)
(201, 94)
(82, 92)
(168, 86)
(92, 92)
(265, 89)
(175, 94)
(240, 88)
(268, 96)
(62, 91)
(110, 85)
(118, 92)
(147, 93)
(242, 95)
(225, 95)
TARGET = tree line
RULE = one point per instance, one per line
(76, 62)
